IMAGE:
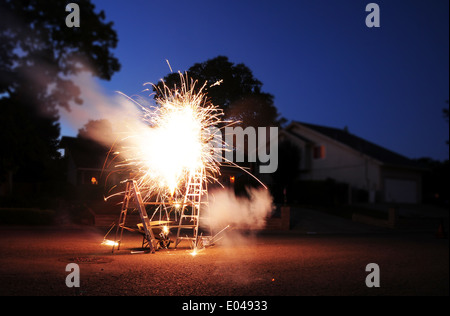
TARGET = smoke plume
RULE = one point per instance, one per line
(119, 111)
(244, 213)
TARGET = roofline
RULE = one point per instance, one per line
(339, 143)
(381, 163)
(295, 135)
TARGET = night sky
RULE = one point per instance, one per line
(317, 57)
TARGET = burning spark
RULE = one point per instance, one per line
(108, 242)
(196, 251)
(168, 64)
(217, 83)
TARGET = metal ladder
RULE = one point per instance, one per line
(190, 212)
(132, 193)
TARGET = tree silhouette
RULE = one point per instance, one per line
(40, 51)
(233, 88)
(38, 54)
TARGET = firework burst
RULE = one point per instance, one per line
(176, 140)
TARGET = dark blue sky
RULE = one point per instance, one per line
(317, 57)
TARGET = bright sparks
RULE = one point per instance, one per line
(175, 141)
(108, 242)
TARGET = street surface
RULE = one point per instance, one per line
(33, 261)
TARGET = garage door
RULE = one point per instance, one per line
(400, 191)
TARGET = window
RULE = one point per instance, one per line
(319, 152)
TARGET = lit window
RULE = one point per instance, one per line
(319, 152)
(94, 180)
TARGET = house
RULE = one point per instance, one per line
(332, 153)
(85, 160)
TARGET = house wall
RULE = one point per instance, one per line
(340, 163)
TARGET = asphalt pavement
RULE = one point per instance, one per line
(308, 221)
(331, 261)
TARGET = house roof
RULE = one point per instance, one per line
(386, 156)
(84, 152)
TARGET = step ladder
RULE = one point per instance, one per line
(133, 194)
(190, 211)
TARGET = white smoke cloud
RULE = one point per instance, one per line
(225, 208)
(119, 110)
